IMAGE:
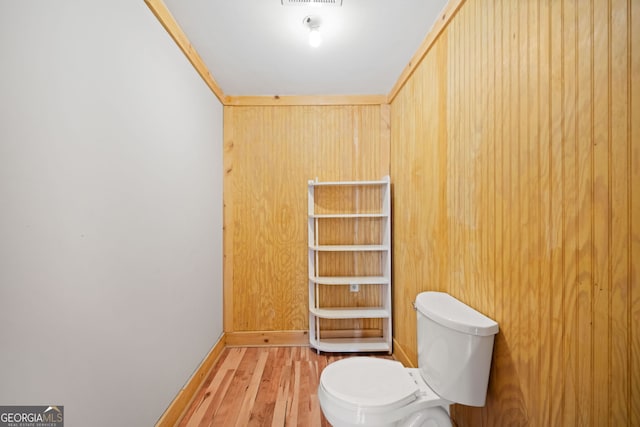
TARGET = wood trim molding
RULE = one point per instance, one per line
(175, 410)
(401, 356)
(167, 20)
(169, 23)
(227, 220)
(267, 338)
(247, 101)
(446, 16)
(385, 133)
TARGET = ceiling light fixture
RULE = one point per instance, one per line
(313, 24)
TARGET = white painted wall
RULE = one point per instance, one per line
(110, 211)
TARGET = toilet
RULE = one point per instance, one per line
(455, 344)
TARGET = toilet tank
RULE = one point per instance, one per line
(455, 344)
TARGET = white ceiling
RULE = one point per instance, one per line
(259, 47)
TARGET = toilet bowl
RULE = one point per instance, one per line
(455, 345)
(368, 391)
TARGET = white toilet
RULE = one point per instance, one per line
(455, 344)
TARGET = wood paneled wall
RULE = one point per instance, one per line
(270, 154)
(515, 162)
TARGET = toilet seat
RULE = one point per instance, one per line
(375, 392)
(370, 382)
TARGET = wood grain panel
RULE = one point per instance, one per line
(556, 373)
(584, 163)
(569, 210)
(529, 295)
(620, 231)
(602, 212)
(416, 221)
(274, 151)
(634, 191)
(545, 287)
(537, 208)
(228, 221)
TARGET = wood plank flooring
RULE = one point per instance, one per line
(262, 386)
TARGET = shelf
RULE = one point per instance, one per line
(346, 183)
(350, 313)
(349, 215)
(351, 344)
(348, 280)
(349, 248)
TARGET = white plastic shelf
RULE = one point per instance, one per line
(349, 215)
(350, 280)
(367, 217)
(347, 183)
(351, 344)
(350, 313)
(349, 248)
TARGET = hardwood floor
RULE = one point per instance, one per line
(262, 386)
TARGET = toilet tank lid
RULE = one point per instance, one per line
(452, 313)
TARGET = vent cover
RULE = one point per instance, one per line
(311, 2)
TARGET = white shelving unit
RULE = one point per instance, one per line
(374, 219)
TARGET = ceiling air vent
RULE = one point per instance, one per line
(311, 2)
